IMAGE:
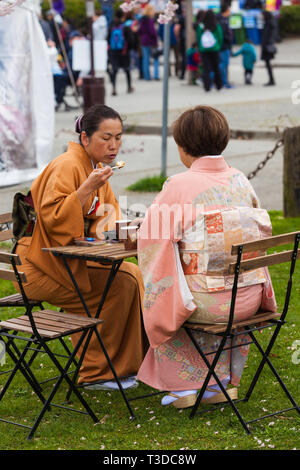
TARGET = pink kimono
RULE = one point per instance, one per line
(184, 247)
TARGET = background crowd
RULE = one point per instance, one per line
(135, 41)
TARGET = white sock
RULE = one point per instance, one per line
(126, 383)
(181, 393)
(216, 388)
(167, 400)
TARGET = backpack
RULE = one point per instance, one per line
(117, 39)
(208, 40)
(23, 215)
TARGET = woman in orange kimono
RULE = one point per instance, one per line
(73, 198)
(184, 248)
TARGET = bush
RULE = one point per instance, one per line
(289, 21)
(149, 184)
(75, 12)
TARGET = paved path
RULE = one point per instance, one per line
(264, 111)
(143, 158)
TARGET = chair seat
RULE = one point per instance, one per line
(50, 323)
(16, 300)
(221, 327)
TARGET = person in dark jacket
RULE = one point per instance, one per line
(223, 19)
(119, 42)
(268, 49)
(149, 42)
(210, 40)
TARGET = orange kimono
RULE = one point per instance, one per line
(60, 219)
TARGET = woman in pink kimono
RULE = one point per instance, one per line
(184, 247)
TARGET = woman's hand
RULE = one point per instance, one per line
(98, 178)
(95, 180)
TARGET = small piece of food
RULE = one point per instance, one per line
(118, 165)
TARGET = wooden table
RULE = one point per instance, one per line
(109, 253)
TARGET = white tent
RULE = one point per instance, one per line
(26, 96)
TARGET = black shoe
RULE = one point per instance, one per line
(269, 84)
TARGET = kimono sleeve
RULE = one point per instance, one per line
(59, 207)
(167, 302)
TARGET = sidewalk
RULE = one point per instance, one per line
(256, 113)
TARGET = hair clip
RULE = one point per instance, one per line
(78, 127)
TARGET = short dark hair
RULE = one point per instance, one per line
(210, 20)
(201, 131)
(90, 121)
(119, 13)
(225, 6)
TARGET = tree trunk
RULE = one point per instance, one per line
(291, 172)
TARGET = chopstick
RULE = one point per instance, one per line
(116, 167)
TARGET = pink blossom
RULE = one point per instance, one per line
(163, 18)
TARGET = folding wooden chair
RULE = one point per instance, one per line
(259, 321)
(6, 234)
(16, 300)
(43, 326)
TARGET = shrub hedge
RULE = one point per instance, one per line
(289, 21)
(75, 11)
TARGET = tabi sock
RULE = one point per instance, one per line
(167, 400)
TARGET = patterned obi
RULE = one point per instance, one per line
(205, 250)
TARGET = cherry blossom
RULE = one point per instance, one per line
(163, 18)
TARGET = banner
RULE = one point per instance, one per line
(26, 96)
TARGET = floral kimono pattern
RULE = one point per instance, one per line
(184, 249)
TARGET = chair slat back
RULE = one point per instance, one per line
(6, 258)
(262, 261)
(6, 234)
(6, 218)
(9, 274)
(265, 243)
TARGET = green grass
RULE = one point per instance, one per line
(150, 184)
(158, 428)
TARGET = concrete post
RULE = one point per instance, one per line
(291, 172)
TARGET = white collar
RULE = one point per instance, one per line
(212, 156)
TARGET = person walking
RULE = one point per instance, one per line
(193, 62)
(223, 19)
(100, 27)
(107, 7)
(248, 53)
(268, 48)
(210, 40)
(120, 40)
(149, 41)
